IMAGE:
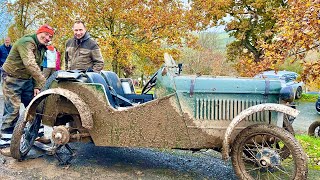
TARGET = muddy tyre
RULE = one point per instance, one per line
(314, 129)
(262, 141)
(23, 137)
(287, 126)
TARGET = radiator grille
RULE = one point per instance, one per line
(221, 109)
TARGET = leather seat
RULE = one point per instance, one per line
(94, 77)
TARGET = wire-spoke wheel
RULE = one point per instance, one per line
(23, 137)
(314, 129)
(257, 153)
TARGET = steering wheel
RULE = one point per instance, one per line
(150, 84)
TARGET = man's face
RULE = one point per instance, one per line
(44, 38)
(79, 30)
(7, 41)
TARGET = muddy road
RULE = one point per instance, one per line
(119, 163)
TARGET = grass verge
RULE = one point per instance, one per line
(311, 147)
(308, 98)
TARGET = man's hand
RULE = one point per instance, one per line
(36, 92)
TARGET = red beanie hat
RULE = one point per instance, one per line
(45, 28)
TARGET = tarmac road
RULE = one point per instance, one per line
(121, 163)
(307, 116)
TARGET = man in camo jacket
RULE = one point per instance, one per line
(22, 79)
(82, 52)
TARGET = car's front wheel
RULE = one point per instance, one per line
(257, 153)
(299, 92)
(24, 135)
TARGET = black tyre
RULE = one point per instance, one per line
(287, 126)
(314, 129)
(318, 105)
(299, 92)
(265, 143)
(23, 137)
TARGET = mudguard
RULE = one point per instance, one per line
(247, 112)
(81, 106)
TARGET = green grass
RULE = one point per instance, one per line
(308, 98)
(311, 147)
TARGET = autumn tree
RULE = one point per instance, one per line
(298, 33)
(129, 32)
(249, 22)
(26, 16)
(206, 57)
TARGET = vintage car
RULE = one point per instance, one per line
(314, 128)
(287, 78)
(318, 105)
(243, 118)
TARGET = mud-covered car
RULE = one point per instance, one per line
(243, 118)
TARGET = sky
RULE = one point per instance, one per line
(4, 22)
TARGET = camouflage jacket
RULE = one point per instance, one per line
(83, 54)
(24, 60)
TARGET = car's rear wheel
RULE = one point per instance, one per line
(299, 92)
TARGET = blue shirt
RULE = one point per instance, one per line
(4, 52)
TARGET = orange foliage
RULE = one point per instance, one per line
(298, 30)
(126, 31)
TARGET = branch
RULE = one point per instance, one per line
(305, 50)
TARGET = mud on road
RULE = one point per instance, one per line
(94, 162)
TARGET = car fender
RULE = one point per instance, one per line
(81, 106)
(247, 112)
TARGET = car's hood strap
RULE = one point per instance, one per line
(267, 88)
(192, 86)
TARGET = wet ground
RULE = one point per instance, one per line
(94, 162)
(308, 115)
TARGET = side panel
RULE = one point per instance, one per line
(158, 123)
